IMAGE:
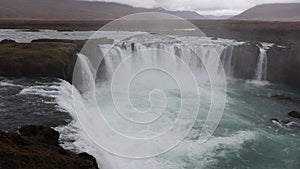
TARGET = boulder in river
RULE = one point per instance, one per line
(294, 114)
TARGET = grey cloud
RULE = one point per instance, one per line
(219, 7)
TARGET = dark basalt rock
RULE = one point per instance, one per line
(87, 161)
(244, 60)
(284, 65)
(37, 147)
(44, 134)
(285, 98)
(281, 97)
(7, 41)
(294, 114)
(286, 123)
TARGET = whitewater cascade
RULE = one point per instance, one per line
(143, 52)
(195, 56)
(212, 54)
(226, 59)
(261, 67)
(262, 61)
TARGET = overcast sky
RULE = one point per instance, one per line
(207, 7)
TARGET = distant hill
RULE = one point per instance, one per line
(75, 10)
(272, 12)
(214, 17)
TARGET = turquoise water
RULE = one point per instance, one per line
(250, 108)
(245, 138)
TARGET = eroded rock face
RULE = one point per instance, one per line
(284, 65)
(44, 58)
(37, 147)
(244, 60)
(41, 133)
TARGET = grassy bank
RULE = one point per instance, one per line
(42, 58)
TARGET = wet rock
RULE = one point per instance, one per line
(37, 147)
(285, 98)
(284, 65)
(286, 124)
(294, 114)
(244, 60)
(281, 97)
(87, 161)
(7, 41)
(44, 134)
(274, 120)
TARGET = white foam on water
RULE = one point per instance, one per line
(42, 90)
(258, 82)
(189, 151)
(3, 83)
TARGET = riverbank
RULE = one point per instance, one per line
(38, 147)
(40, 58)
(275, 32)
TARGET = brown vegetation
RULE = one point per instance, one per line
(36, 147)
(277, 32)
(50, 58)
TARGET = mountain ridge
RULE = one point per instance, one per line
(76, 10)
(272, 12)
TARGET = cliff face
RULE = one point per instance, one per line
(244, 60)
(284, 65)
(50, 58)
(56, 58)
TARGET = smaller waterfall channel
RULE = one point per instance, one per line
(262, 61)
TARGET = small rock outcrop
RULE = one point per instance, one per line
(280, 97)
(294, 114)
(37, 147)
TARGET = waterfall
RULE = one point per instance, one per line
(198, 56)
(226, 59)
(85, 75)
(121, 96)
(261, 66)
